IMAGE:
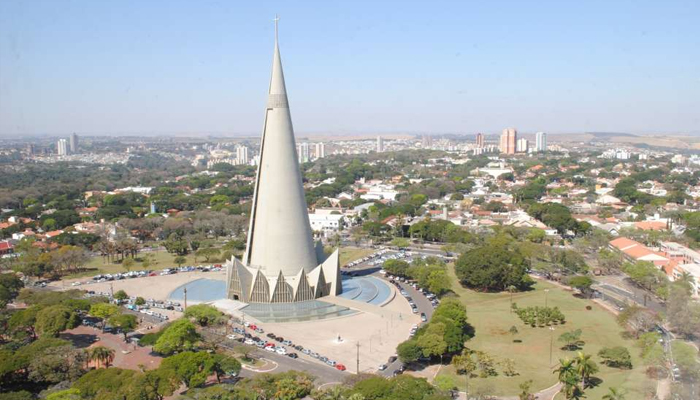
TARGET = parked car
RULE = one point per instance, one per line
(382, 367)
(293, 355)
(340, 367)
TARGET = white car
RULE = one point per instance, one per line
(271, 349)
(281, 350)
(249, 341)
(231, 336)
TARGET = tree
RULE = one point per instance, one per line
(102, 355)
(614, 394)
(572, 339)
(439, 282)
(204, 314)
(121, 295)
(224, 365)
(616, 357)
(585, 367)
(104, 311)
(52, 320)
(525, 391)
(464, 363)
(140, 301)
(208, 253)
(181, 335)
(179, 260)
(127, 263)
(125, 322)
(432, 344)
(508, 366)
(409, 351)
(396, 267)
(10, 285)
(189, 367)
(400, 242)
(513, 331)
(582, 283)
(493, 267)
(567, 376)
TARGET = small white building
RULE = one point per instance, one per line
(325, 222)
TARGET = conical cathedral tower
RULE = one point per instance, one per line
(280, 243)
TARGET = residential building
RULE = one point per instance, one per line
(62, 147)
(380, 144)
(73, 143)
(509, 138)
(320, 150)
(479, 140)
(242, 155)
(303, 152)
(521, 145)
(541, 142)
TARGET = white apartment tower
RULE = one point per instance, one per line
(541, 142)
(242, 155)
(320, 151)
(62, 147)
(380, 144)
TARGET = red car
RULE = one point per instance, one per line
(340, 367)
(253, 327)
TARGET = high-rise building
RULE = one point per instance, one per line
(242, 155)
(479, 140)
(303, 152)
(380, 144)
(521, 145)
(62, 147)
(320, 151)
(30, 149)
(73, 143)
(281, 263)
(541, 142)
(509, 137)
(427, 141)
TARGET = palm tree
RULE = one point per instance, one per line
(568, 377)
(614, 394)
(102, 355)
(585, 367)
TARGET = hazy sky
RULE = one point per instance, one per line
(351, 66)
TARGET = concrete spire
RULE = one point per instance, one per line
(279, 237)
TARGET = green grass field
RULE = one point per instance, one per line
(163, 259)
(348, 254)
(159, 260)
(490, 315)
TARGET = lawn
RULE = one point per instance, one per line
(348, 254)
(159, 260)
(490, 315)
(164, 259)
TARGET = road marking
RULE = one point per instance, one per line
(244, 366)
(330, 383)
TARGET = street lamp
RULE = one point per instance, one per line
(551, 341)
(546, 291)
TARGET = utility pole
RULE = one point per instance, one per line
(358, 357)
(546, 291)
(551, 340)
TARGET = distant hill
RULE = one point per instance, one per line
(609, 134)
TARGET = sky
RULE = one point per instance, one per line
(351, 67)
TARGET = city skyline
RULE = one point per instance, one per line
(461, 68)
